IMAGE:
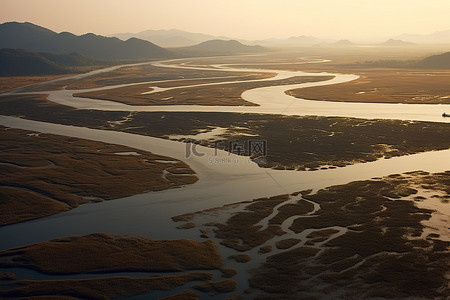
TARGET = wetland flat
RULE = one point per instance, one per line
(290, 225)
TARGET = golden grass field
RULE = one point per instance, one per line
(11, 83)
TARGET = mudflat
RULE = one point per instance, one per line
(171, 264)
(223, 94)
(43, 174)
(377, 85)
(13, 82)
(377, 231)
(312, 142)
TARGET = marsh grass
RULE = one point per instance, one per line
(43, 174)
(311, 142)
(378, 251)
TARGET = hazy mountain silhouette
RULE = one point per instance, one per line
(220, 47)
(18, 62)
(439, 61)
(336, 44)
(396, 43)
(301, 40)
(18, 35)
(35, 38)
(342, 43)
(438, 37)
(168, 38)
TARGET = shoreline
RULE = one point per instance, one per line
(44, 174)
(214, 184)
(293, 224)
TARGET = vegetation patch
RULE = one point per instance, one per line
(184, 295)
(217, 287)
(43, 174)
(102, 253)
(287, 243)
(312, 142)
(99, 288)
(108, 254)
(366, 240)
(221, 94)
(10, 83)
(381, 85)
(240, 231)
(241, 258)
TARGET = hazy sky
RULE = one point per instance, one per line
(252, 19)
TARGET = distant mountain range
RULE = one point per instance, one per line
(47, 52)
(19, 35)
(439, 61)
(397, 43)
(343, 43)
(170, 38)
(36, 38)
(438, 37)
(29, 49)
(32, 37)
(180, 38)
(347, 43)
(301, 40)
(219, 47)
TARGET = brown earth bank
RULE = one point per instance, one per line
(366, 241)
(223, 94)
(108, 254)
(143, 73)
(43, 174)
(218, 287)
(385, 86)
(185, 295)
(386, 74)
(337, 57)
(100, 288)
(48, 298)
(312, 142)
(297, 58)
(13, 82)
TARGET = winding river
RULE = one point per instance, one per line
(219, 173)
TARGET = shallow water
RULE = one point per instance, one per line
(223, 178)
(271, 100)
(238, 179)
